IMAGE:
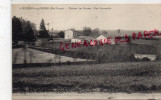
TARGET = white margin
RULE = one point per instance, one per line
(5, 34)
(85, 1)
(5, 50)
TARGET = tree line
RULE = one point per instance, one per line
(24, 30)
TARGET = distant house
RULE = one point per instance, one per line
(103, 38)
(75, 40)
(54, 33)
(82, 39)
(69, 34)
(87, 38)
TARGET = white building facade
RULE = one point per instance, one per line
(104, 39)
(69, 34)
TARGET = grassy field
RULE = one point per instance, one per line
(112, 77)
(107, 53)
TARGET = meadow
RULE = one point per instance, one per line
(127, 77)
(107, 53)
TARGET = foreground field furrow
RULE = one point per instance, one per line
(113, 77)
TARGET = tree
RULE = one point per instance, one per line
(86, 31)
(61, 34)
(33, 26)
(16, 30)
(42, 25)
(43, 33)
(95, 32)
(28, 33)
(24, 24)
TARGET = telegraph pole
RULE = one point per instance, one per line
(48, 25)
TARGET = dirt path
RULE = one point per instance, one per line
(62, 96)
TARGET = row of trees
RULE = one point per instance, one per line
(23, 30)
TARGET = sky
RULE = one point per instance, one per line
(110, 17)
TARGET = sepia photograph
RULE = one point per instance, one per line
(86, 51)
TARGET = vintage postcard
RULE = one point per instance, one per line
(86, 51)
